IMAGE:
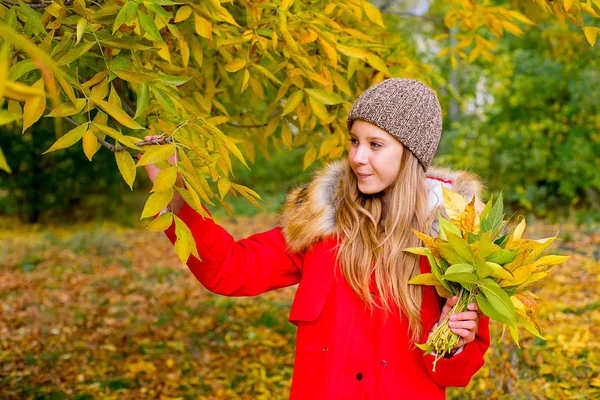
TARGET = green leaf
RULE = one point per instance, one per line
(502, 256)
(493, 220)
(34, 22)
(498, 299)
(447, 252)
(292, 102)
(462, 278)
(460, 268)
(170, 80)
(531, 328)
(125, 15)
(156, 202)
(488, 207)
(425, 279)
(446, 227)
(120, 43)
(499, 271)
(161, 222)
(324, 96)
(420, 251)
(486, 307)
(461, 248)
(133, 76)
(485, 246)
(3, 164)
(266, 73)
(143, 96)
(75, 53)
(69, 138)
(165, 179)
(149, 27)
(164, 100)
(157, 154)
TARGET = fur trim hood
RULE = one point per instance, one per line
(309, 211)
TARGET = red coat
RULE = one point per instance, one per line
(343, 351)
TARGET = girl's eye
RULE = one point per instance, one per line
(376, 145)
(353, 141)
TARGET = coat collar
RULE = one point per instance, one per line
(309, 212)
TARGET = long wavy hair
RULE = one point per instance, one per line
(374, 229)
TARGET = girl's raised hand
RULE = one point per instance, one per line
(464, 324)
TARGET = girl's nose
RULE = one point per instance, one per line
(360, 156)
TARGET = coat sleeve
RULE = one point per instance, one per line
(246, 267)
(460, 368)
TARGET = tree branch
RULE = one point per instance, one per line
(113, 148)
(32, 5)
(246, 126)
(411, 15)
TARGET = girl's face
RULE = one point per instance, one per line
(374, 156)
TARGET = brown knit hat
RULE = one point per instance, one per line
(408, 110)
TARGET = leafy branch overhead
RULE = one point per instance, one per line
(216, 79)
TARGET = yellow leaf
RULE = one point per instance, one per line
(310, 157)
(118, 114)
(126, 167)
(165, 179)
(286, 3)
(183, 13)
(373, 13)
(454, 203)
(69, 138)
(324, 96)
(467, 218)
(163, 51)
(568, 4)
(67, 109)
(286, 136)
(235, 65)
(184, 49)
(184, 242)
(591, 34)
(157, 154)
(521, 18)
(245, 80)
(266, 73)
(319, 109)
(518, 232)
(100, 90)
(329, 49)
(203, 27)
(3, 164)
(224, 185)
(80, 28)
(377, 63)
(341, 83)
(292, 102)
(156, 202)
(34, 106)
(161, 222)
(90, 144)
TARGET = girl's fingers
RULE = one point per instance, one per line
(473, 307)
(462, 316)
(469, 324)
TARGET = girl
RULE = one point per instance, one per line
(340, 238)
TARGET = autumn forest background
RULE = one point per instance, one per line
(252, 94)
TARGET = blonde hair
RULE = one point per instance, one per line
(375, 229)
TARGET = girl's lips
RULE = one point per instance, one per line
(363, 176)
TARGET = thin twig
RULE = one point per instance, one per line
(411, 15)
(32, 5)
(246, 126)
(113, 148)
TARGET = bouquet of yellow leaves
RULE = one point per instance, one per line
(479, 259)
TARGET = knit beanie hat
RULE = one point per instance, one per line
(406, 109)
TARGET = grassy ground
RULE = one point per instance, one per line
(104, 311)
